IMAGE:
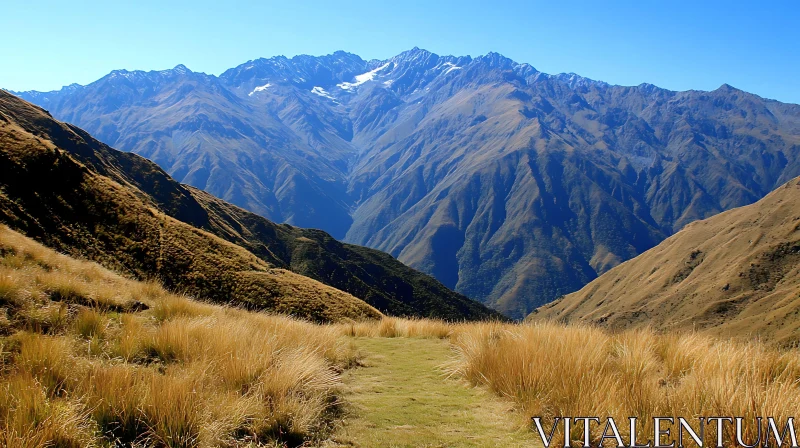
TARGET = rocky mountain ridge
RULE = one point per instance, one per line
(507, 184)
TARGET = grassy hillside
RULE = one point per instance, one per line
(71, 192)
(90, 358)
(736, 274)
(51, 196)
(553, 370)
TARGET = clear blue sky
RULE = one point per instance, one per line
(674, 44)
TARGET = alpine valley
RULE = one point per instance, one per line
(509, 185)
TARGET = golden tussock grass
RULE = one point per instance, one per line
(393, 327)
(31, 419)
(90, 358)
(554, 370)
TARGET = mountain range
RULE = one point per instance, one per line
(509, 185)
(75, 194)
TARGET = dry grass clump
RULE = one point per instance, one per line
(90, 324)
(32, 419)
(10, 290)
(173, 306)
(555, 370)
(93, 359)
(393, 327)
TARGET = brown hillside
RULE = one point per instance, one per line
(737, 273)
(368, 274)
(49, 195)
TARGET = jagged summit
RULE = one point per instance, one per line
(729, 88)
(138, 75)
(180, 69)
(342, 66)
(496, 60)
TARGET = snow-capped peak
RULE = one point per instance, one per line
(179, 69)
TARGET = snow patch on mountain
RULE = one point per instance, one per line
(451, 67)
(260, 89)
(317, 90)
(362, 78)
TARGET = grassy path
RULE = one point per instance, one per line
(401, 399)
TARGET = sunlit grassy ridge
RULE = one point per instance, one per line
(734, 274)
(90, 358)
